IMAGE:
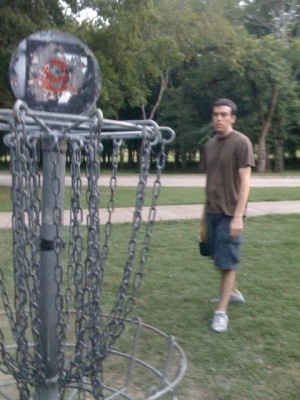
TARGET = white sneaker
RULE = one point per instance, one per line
(220, 322)
(236, 298)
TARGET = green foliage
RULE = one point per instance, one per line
(293, 55)
(279, 17)
(231, 63)
(170, 59)
(18, 19)
(9, 38)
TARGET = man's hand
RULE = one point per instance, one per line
(236, 226)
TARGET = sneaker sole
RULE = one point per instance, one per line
(231, 301)
(216, 331)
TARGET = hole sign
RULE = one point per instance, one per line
(53, 71)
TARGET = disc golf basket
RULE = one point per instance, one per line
(63, 333)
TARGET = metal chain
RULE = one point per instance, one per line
(20, 238)
(111, 200)
(34, 228)
(120, 309)
(93, 264)
(26, 209)
(84, 274)
(160, 164)
(76, 271)
(87, 359)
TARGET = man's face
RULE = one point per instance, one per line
(223, 120)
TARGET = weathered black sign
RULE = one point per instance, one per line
(53, 71)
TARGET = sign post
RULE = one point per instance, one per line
(54, 72)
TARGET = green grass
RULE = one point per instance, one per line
(125, 196)
(258, 358)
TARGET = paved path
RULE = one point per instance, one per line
(181, 212)
(180, 180)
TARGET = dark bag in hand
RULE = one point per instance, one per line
(205, 249)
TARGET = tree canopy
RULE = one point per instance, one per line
(168, 60)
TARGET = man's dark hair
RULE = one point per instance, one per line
(226, 102)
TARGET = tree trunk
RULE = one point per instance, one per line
(279, 155)
(164, 80)
(130, 156)
(177, 158)
(262, 154)
(121, 162)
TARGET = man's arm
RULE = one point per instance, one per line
(203, 168)
(237, 223)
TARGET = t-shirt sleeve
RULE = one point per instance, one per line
(203, 164)
(245, 154)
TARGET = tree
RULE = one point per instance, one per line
(28, 17)
(116, 39)
(280, 17)
(165, 60)
(206, 75)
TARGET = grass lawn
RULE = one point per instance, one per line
(259, 357)
(125, 196)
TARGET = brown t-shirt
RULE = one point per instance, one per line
(222, 159)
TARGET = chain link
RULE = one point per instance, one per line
(27, 365)
(94, 269)
(124, 302)
(111, 200)
(76, 271)
(78, 299)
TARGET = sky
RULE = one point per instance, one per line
(84, 15)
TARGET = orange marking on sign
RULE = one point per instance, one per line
(55, 76)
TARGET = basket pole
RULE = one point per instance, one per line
(54, 158)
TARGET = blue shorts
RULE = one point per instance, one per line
(226, 249)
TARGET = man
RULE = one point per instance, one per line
(227, 161)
